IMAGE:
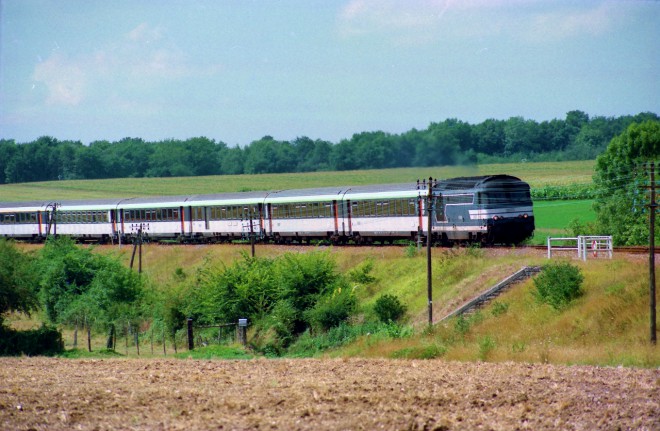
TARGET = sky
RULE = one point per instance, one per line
(237, 70)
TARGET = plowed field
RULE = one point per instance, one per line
(354, 394)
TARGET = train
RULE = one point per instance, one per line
(492, 209)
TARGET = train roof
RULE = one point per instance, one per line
(377, 191)
(28, 206)
(466, 183)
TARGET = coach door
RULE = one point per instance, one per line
(113, 222)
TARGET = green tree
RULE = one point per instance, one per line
(7, 151)
(619, 178)
(17, 280)
(79, 285)
(232, 161)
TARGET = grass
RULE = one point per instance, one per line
(536, 174)
(607, 326)
(552, 218)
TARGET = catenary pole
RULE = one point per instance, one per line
(652, 209)
(429, 277)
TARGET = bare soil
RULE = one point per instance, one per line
(327, 394)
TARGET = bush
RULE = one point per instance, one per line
(388, 308)
(43, 341)
(559, 284)
(362, 274)
(332, 310)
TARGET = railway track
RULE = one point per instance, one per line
(623, 249)
(626, 249)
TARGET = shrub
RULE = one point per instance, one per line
(388, 308)
(411, 250)
(43, 341)
(332, 310)
(362, 274)
(559, 284)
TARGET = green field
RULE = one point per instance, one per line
(536, 174)
(553, 217)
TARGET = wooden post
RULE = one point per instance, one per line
(110, 342)
(133, 255)
(137, 339)
(89, 337)
(164, 347)
(140, 251)
(191, 341)
(75, 335)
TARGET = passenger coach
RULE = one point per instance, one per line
(488, 209)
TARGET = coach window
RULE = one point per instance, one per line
(199, 213)
(466, 199)
(382, 208)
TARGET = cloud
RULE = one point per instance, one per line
(142, 58)
(432, 20)
(66, 80)
(145, 33)
(359, 17)
(568, 23)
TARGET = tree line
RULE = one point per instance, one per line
(450, 142)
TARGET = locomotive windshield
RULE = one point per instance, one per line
(502, 196)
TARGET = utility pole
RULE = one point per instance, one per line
(652, 208)
(55, 205)
(251, 232)
(137, 246)
(429, 237)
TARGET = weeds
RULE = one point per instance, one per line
(499, 308)
(486, 345)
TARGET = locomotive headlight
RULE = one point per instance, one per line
(524, 215)
(496, 217)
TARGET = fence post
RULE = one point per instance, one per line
(191, 342)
